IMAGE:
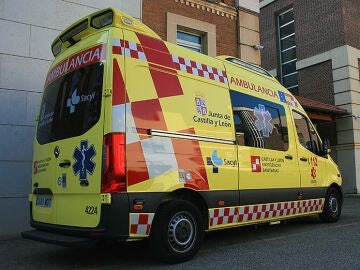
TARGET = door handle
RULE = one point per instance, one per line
(289, 157)
(65, 164)
(303, 159)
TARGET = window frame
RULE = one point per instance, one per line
(283, 49)
(198, 47)
(258, 139)
(71, 118)
(312, 136)
(175, 22)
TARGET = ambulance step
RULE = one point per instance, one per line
(275, 222)
(58, 239)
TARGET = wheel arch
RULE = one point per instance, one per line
(191, 196)
(339, 189)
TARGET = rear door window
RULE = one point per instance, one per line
(71, 104)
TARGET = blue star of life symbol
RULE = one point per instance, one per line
(262, 122)
(83, 161)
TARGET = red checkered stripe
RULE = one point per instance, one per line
(141, 223)
(249, 213)
(199, 69)
(128, 48)
(135, 50)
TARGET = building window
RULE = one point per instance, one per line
(189, 40)
(286, 32)
(191, 33)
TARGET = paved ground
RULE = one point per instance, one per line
(304, 243)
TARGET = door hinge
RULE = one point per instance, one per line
(107, 92)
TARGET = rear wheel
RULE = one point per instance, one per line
(177, 232)
(332, 206)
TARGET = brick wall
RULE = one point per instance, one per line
(318, 26)
(351, 18)
(316, 82)
(154, 16)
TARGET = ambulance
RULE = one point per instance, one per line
(138, 138)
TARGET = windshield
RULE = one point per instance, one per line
(71, 104)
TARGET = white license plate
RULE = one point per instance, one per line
(43, 201)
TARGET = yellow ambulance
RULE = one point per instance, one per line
(140, 138)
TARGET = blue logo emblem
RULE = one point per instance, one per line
(83, 161)
(215, 161)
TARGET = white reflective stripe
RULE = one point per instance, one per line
(118, 118)
(175, 58)
(195, 71)
(183, 68)
(116, 42)
(133, 46)
(131, 133)
(142, 56)
(159, 156)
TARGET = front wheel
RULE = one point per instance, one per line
(332, 206)
(177, 232)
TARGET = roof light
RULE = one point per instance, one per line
(248, 65)
(69, 35)
(56, 48)
(102, 19)
(127, 21)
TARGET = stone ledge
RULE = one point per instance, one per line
(218, 9)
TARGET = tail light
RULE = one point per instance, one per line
(114, 170)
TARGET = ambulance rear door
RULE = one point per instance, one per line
(69, 139)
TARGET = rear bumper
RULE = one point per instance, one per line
(114, 224)
(59, 239)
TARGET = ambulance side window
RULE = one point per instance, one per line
(306, 133)
(259, 123)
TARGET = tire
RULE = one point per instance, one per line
(332, 206)
(177, 232)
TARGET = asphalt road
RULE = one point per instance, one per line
(304, 243)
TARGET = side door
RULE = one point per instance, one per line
(268, 169)
(312, 163)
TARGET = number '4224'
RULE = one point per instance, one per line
(91, 210)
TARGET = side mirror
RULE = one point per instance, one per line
(326, 146)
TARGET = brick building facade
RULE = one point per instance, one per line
(228, 27)
(325, 45)
(225, 26)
